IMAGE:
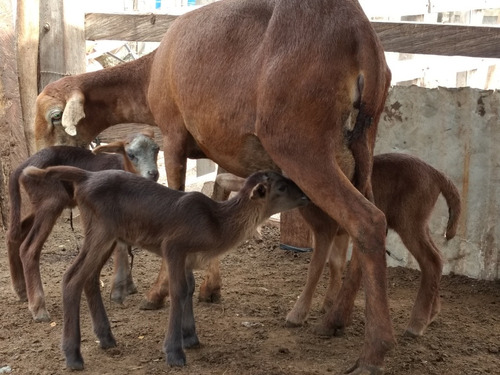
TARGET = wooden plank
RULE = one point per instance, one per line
(131, 27)
(122, 131)
(439, 39)
(204, 166)
(294, 232)
(62, 40)
(386, 8)
(404, 37)
(27, 63)
(12, 139)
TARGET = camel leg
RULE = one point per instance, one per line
(329, 187)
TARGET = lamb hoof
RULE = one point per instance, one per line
(75, 362)
(410, 333)
(75, 366)
(365, 370)
(41, 317)
(131, 289)
(294, 320)
(176, 358)
(191, 342)
(327, 331)
(149, 305)
(117, 297)
(121, 290)
(289, 323)
(22, 296)
(108, 342)
(213, 297)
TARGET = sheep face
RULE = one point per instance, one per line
(277, 193)
(142, 151)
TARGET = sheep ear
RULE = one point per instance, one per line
(73, 112)
(113, 147)
(148, 132)
(259, 191)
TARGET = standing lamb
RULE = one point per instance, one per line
(406, 189)
(186, 229)
(25, 238)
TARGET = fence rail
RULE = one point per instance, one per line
(404, 37)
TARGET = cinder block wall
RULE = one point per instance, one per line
(458, 132)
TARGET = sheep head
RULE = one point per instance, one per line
(58, 112)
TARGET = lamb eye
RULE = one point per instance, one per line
(131, 156)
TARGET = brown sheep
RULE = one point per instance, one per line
(296, 86)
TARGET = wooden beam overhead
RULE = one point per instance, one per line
(405, 37)
(439, 39)
(130, 27)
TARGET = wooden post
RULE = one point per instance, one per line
(12, 139)
(295, 235)
(27, 63)
(204, 166)
(62, 40)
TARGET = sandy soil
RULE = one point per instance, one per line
(245, 333)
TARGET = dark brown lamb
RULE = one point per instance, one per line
(186, 229)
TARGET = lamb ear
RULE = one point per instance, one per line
(229, 181)
(148, 132)
(73, 112)
(113, 147)
(259, 191)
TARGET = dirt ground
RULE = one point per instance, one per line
(245, 333)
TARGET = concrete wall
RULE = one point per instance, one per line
(458, 132)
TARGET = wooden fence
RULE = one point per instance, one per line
(404, 37)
